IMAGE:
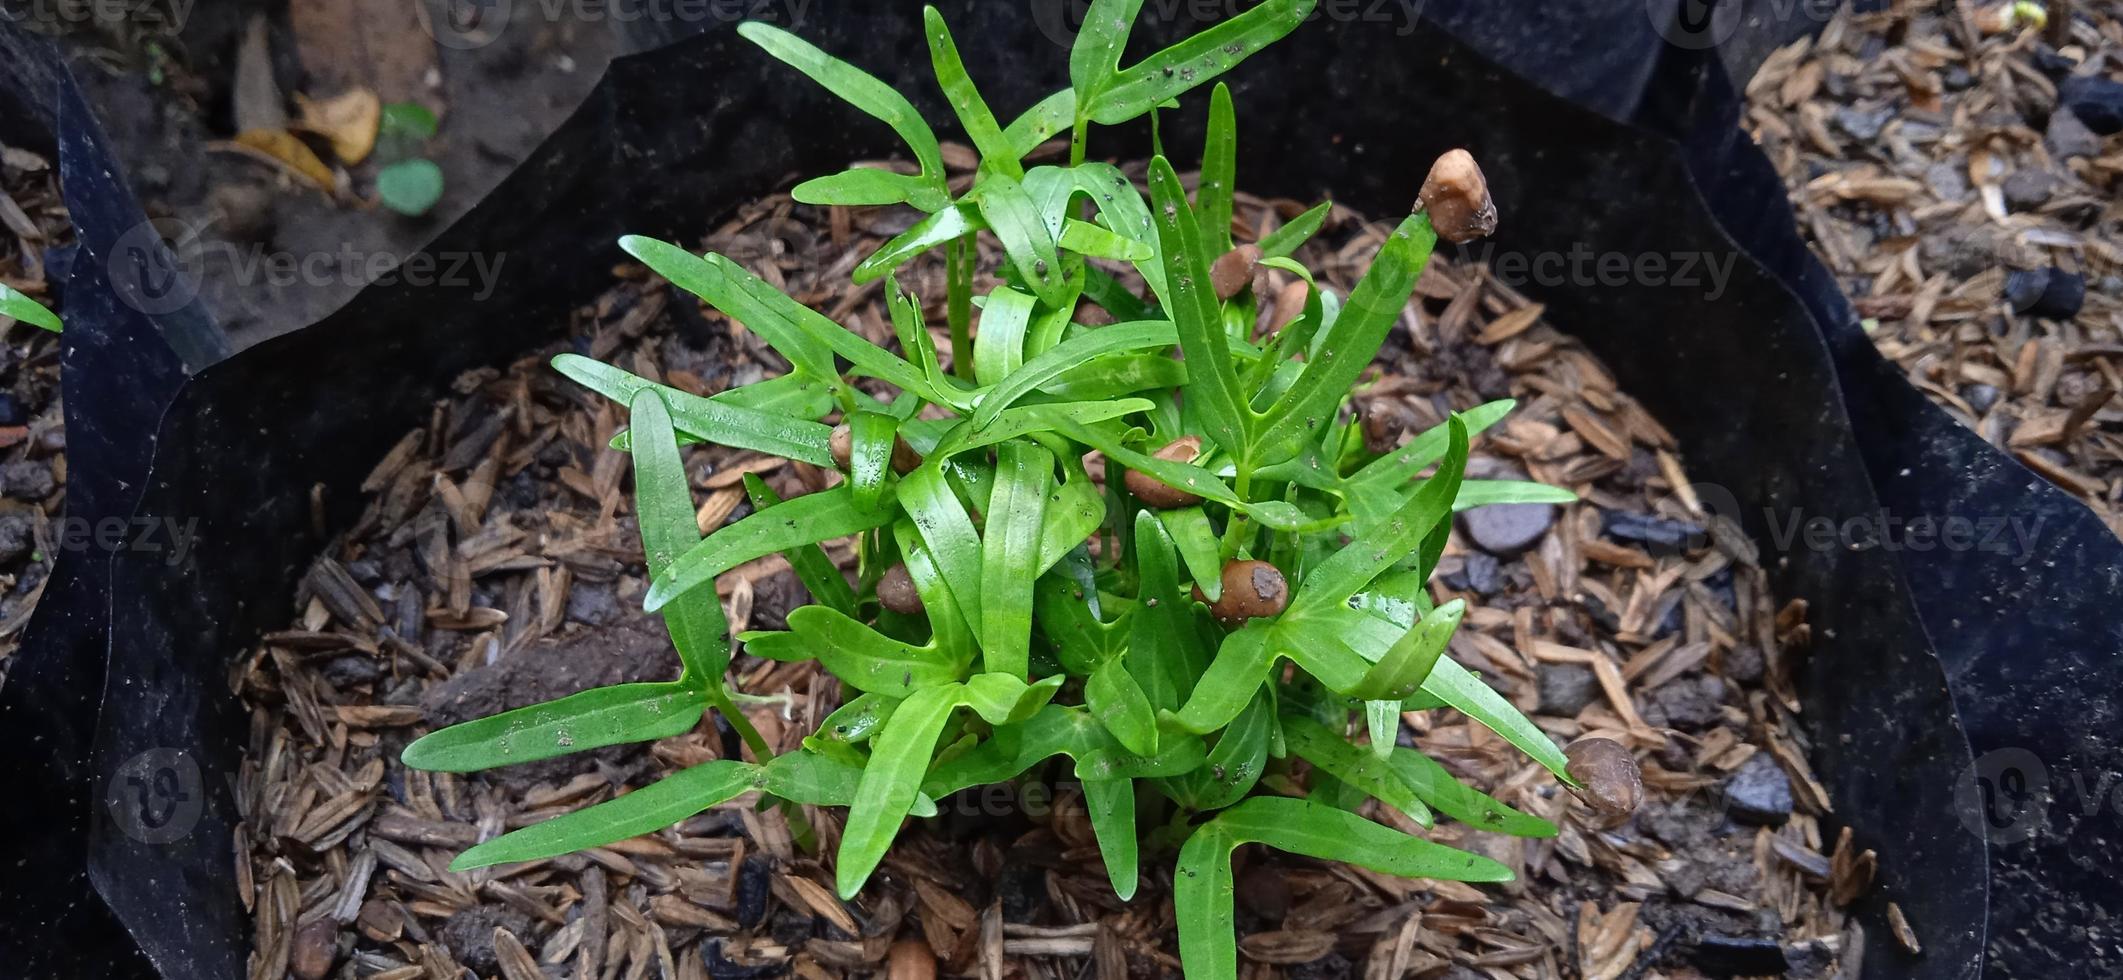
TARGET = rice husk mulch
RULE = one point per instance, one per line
(498, 564)
(1934, 172)
(33, 223)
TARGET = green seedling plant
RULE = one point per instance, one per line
(1151, 556)
(17, 306)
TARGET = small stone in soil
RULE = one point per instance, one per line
(592, 603)
(1507, 530)
(1744, 664)
(17, 538)
(2068, 137)
(2051, 293)
(1759, 793)
(1738, 956)
(1660, 535)
(470, 934)
(27, 479)
(1565, 688)
(1980, 397)
(753, 887)
(11, 412)
(1689, 704)
(2097, 101)
(2029, 188)
(1863, 124)
(351, 670)
(1022, 891)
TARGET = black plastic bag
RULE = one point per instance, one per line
(1748, 380)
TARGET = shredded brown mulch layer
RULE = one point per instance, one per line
(33, 222)
(498, 564)
(1944, 173)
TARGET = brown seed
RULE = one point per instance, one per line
(316, 946)
(1156, 493)
(1251, 588)
(841, 444)
(1092, 315)
(911, 959)
(1289, 304)
(896, 591)
(1613, 784)
(1233, 270)
(1456, 196)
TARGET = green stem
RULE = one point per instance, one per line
(1076, 140)
(958, 268)
(720, 701)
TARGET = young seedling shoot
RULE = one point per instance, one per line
(1122, 537)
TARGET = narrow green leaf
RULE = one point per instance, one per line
(1014, 219)
(1483, 493)
(615, 715)
(1409, 461)
(891, 781)
(999, 345)
(1095, 57)
(1202, 885)
(1085, 238)
(20, 307)
(1164, 653)
(860, 187)
(1040, 123)
(1024, 420)
(857, 720)
(1001, 699)
(643, 811)
(1119, 704)
(1286, 240)
(808, 519)
(1077, 350)
(1275, 514)
(1352, 764)
(1170, 73)
(866, 93)
(996, 153)
(1081, 640)
(1202, 890)
(1234, 765)
(717, 420)
(869, 661)
(1016, 515)
(1111, 804)
(1197, 317)
(950, 629)
(1332, 582)
(1382, 720)
(1456, 686)
(870, 437)
(947, 530)
(823, 780)
(819, 575)
(663, 506)
(1461, 802)
(1400, 673)
(1196, 539)
(1117, 374)
(943, 227)
(1212, 197)
(712, 281)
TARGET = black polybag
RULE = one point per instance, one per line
(123, 675)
